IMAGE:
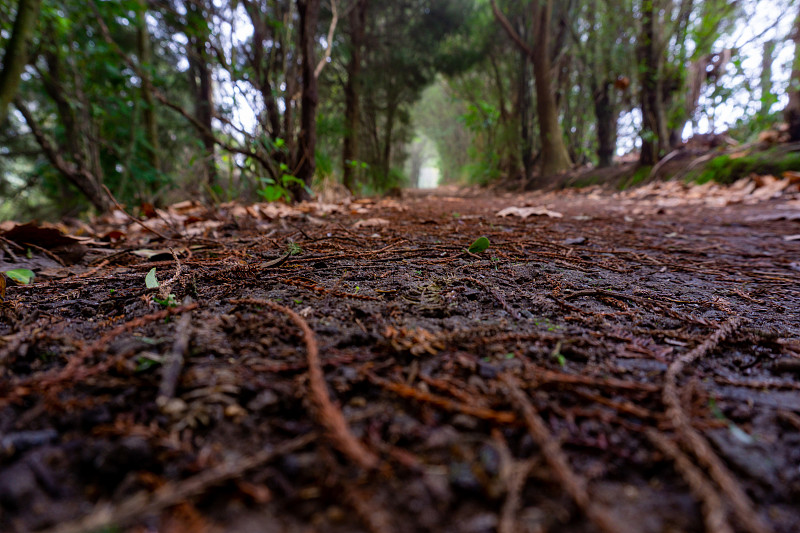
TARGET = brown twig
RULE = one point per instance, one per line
(406, 391)
(327, 414)
(508, 521)
(697, 443)
(572, 483)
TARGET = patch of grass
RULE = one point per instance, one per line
(725, 169)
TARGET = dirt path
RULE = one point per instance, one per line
(631, 365)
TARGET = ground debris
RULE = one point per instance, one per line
(628, 365)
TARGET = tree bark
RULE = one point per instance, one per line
(16, 54)
(352, 91)
(555, 157)
(307, 139)
(791, 112)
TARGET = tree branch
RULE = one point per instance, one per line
(327, 56)
(521, 44)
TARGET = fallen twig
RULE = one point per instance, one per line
(497, 296)
(166, 287)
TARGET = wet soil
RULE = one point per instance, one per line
(629, 366)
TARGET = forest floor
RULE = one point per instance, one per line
(612, 362)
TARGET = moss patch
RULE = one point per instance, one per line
(636, 178)
(725, 169)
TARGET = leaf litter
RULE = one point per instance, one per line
(629, 366)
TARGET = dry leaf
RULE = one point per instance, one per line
(525, 212)
(371, 223)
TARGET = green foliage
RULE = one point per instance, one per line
(725, 169)
(280, 190)
(23, 276)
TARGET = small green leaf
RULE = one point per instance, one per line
(150, 280)
(23, 276)
(480, 244)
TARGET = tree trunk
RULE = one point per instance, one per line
(352, 90)
(654, 134)
(307, 139)
(791, 112)
(606, 124)
(143, 47)
(16, 54)
(555, 157)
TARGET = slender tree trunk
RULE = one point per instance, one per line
(16, 54)
(791, 112)
(352, 91)
(307, 139)
(555, 157)
(606, 124)
(386, 156)
(143, 46)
